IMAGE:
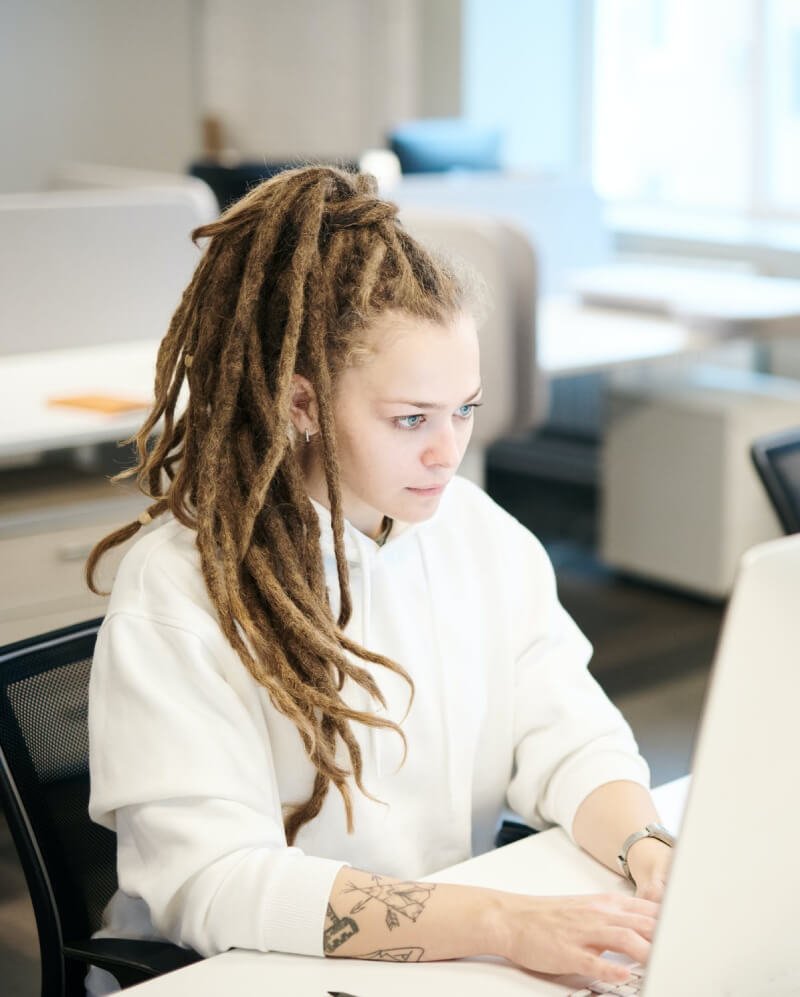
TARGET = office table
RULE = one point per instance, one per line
(571, 339)
(28, 424)
(546, 863)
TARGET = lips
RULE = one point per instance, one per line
(429, 490)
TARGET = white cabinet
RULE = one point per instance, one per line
(681, 501)
(50, 518)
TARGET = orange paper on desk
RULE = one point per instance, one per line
(108, 404)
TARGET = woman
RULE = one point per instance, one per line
(329, 607)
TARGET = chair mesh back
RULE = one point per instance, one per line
(51, 710)
(44, 736)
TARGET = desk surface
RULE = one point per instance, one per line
(546, 863)
(28, 424)
(573, 339)
(570, 340)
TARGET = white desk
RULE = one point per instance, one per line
(28, 424)
(570, 340)
(546, 863)
(575, 339)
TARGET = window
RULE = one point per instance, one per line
(782, 105)
(697, 105)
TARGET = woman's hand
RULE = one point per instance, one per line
(606, 818)
(378, 917)
(649, 860)
(561, 935)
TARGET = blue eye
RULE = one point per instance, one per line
(465, 411)
(409, 421)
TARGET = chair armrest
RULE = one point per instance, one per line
(511, 831)
(131, 960)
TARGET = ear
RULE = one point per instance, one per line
(303, 409)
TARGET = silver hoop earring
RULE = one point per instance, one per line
(308, 437)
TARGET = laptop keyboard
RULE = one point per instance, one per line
(629, 988)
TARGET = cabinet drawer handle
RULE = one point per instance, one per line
(77, 551)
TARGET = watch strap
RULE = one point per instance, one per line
(657, 831)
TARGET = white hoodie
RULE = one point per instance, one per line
(191, 763)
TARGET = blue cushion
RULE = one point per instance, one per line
(434, 145)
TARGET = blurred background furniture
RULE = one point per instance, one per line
(69, 862)
(98, 176)
(53, 510)
(547, 343)
(85, 267)
(504, 259)
(561, 215)
(438, 145)
(89, 279)
(680, 500)
(230, 181)
(776, 458)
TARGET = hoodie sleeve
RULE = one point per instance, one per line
(182, 771)
(568, 736)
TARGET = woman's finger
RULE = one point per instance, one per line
(637, 905)
(625, 941)
(640, 923)
(596, 967)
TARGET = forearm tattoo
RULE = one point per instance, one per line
(412, 954)
(337, 930)
(407, 900)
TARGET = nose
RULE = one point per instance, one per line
(444, 450)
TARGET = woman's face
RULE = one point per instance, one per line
(403, 419)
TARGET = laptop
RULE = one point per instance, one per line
(730, 921)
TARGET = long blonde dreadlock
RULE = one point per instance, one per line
(291, 275)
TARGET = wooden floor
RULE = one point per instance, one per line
(653, 648)
(642, 634)
(652, 654)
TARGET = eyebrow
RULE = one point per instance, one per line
(433, 405)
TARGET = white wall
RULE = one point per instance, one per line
(125, 82)
(108, 81)
(440, 58)
(310, 77)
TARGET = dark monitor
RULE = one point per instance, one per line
(777, 460)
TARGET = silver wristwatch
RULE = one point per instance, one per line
(657, 831)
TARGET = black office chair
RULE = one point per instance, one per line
(230, 183)
(69, 862)
(777, 460)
